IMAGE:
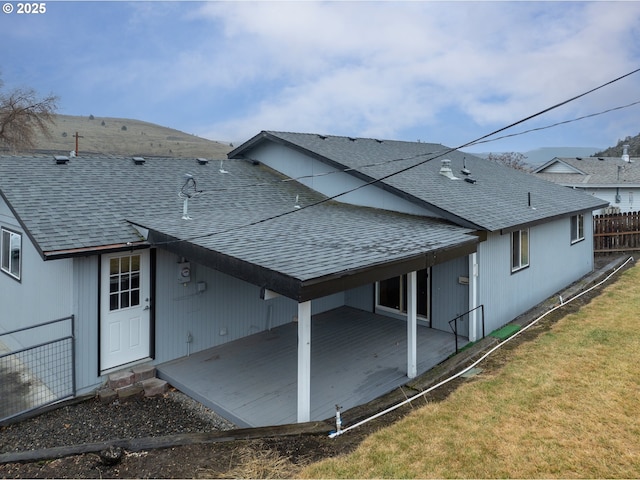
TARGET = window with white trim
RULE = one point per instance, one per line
(11, 252)
(519, 250)
(577, 228)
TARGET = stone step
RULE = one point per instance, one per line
(143, 372)
(127, 384)
(120, 379)
(154, 386)
(130, 391)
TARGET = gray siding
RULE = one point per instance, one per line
(449, 297)
(43, 293)
(85, 273)
(362, 298)
(554, 264)
(228, 309)
(629, 197)
(312, 172)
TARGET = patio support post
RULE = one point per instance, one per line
(304, 361)
(412, 325)
(473, 297)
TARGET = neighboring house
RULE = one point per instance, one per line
(160, 259)
(612, 179)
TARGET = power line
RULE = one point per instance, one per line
(393, 160)
(385, 177)
(559, 123)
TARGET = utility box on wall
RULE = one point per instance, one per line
(184, 272)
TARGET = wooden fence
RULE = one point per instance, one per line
(616, 232)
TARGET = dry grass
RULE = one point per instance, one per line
(564, 406)
(259, 462)
(127, 137)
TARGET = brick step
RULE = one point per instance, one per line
(132, 383)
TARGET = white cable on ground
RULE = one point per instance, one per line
(474, 364)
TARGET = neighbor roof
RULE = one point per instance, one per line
(245, 221)
(593, 172)
(501, 198)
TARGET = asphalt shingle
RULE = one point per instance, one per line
(592, 171)
(248, 213)
(500, 198)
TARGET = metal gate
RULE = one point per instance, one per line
(37, 366)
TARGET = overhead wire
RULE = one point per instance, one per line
(402, 170)
(560, 123)
(406, 158)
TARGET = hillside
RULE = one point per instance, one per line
(123, 136)
(634, 148)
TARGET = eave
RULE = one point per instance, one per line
(304, 290)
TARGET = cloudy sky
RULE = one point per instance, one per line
(443, 72)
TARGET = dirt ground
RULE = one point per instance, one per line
(267, 457)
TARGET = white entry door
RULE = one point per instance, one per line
(125, 319)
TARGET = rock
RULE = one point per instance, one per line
(111, 455)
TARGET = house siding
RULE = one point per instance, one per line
(228, 309)
(449, 297)
(86, 288)
(362, 298)
(629, 198)
(506, 295)
(312, 173)
(44, 292)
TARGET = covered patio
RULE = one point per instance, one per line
(356, 356)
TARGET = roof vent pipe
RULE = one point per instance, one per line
(625, 153)
(445, 169)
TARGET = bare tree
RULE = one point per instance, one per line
(510, 159)
(23, 114)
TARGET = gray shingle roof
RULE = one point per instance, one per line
(90, 204)
(86, 203)
(501, 198)
(309, 243)
(591, 171)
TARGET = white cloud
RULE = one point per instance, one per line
(376, 68)
(227, 70)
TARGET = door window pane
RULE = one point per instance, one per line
(124, 282)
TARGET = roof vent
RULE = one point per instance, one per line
(202, 161)
(578, 158)
(465, 170)
(138, 160)
(601, 159)
(470, 180)
(625, 153)
(445, 169)
(322, 137)
(61, 159)
(353, 139)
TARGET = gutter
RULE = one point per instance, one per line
(86, 251)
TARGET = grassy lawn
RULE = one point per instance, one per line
(566, 405)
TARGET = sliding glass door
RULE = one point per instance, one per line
(391, 294)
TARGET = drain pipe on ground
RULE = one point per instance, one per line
(341, 431)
